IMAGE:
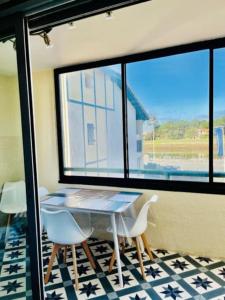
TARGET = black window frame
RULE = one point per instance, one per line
(210, 187)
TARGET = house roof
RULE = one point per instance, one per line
(141, 113)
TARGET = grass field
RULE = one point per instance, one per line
(182, 147)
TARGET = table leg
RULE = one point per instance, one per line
(116, 246)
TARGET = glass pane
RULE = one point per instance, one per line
(14, 252)
(219, 115)
(91, 110)
(168, 106)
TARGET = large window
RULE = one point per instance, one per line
(145, 122)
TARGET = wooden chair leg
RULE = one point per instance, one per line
(75, 267)
(88, 253)
(134, 241)
(54, 252)
(112, 261)
(147, 247)
(123, 242)
(65, 254)
(9, 220)
(140, 258)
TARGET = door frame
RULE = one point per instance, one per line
(16, 26)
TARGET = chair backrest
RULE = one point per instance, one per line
(62, 228)
(42, 191)
(142, 218)
(13, 198)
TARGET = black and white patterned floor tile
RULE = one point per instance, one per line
(170, 276)
(9, 269)
(15, 285)
(179, 265)
(172, 290)
(202, 283)
(84, 269)
(14, 265)
(154, 272)
(100, 249)
(204, 261)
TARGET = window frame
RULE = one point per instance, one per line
(210, 187)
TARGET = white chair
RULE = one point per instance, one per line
(13, 200)
(128, 227)
(42, 192)
(63, 230)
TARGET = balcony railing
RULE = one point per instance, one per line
(167, 174)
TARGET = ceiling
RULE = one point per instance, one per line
(151, 25)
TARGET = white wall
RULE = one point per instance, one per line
(11, 149)
(132, 136)
(115, 136)
(185, 222)
(45, 127)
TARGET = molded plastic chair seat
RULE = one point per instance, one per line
(42, 192)
(13, 199)
(62, 229)
(87, 231)
(84, 220)
(128, 227)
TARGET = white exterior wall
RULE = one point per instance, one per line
(100, 88)
(88, 86)
(102, 135)
(115, 136)
(74, 90)
(132, 136)
(77, 144)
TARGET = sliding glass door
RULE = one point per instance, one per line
(14, 258)
(20, 254)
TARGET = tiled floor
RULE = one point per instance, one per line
(169, 276)
(15, 281)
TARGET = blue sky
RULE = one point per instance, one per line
(173, 87)
(219, 82)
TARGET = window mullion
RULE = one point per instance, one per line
(211, 92)
(125, 121)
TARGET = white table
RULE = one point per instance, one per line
(94, 201)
